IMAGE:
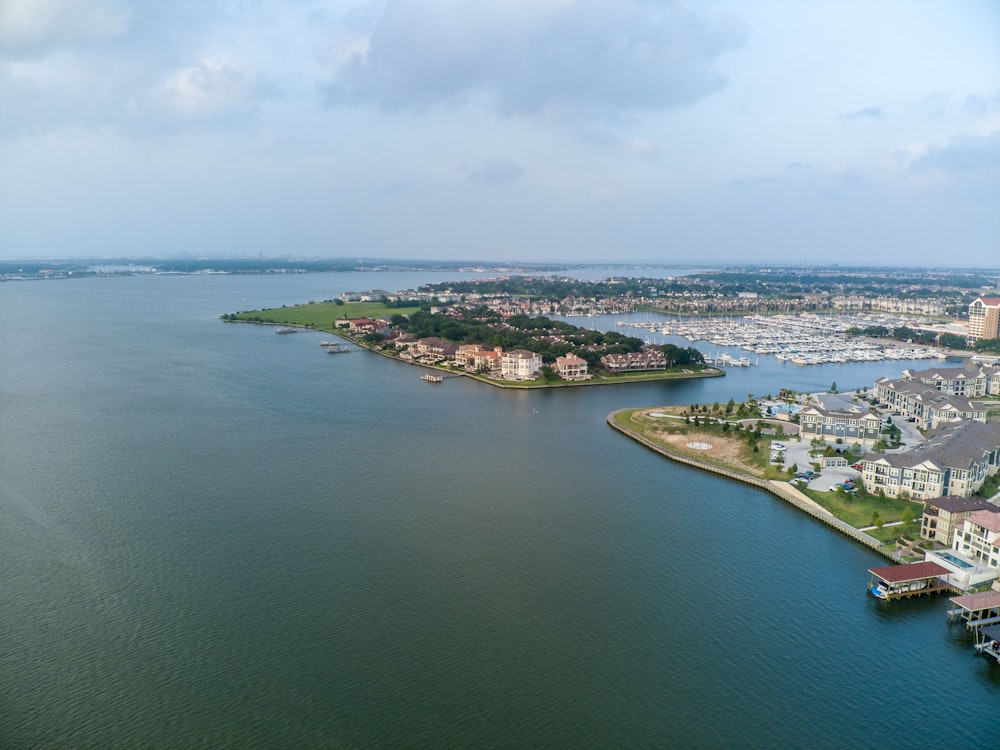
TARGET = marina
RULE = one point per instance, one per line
(802, 339)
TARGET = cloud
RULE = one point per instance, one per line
(214, 86)
(964, 152)
(494, 172)
(29, 25)
(867, 113)
(532, 57)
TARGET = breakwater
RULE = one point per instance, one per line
(780, 490)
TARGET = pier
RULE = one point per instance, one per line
(914, 579)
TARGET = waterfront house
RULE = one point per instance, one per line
(572, 367)
(944, 515)
(979, 537)
(648, 358)
(520, 364)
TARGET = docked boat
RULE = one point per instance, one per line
(286, 329)
(882, 590)
(338, 349)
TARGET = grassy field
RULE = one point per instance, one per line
(859, 509)
(321, 315)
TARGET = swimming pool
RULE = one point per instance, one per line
(954, 560)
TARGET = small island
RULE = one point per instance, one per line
(504, 347)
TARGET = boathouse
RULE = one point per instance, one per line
(901, 581)
(976, 610)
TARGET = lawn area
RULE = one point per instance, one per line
(892, 533)
(858, 510)
(322, 314)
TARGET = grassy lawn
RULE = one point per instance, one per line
(858, 511)
(892, 533)
(322, 314)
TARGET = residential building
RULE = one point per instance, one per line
(944, 515)
(970, 381)
(855, 426)
(648, 358)
(520, 364)
(984, 319)
(572, 367)
(953, 461)
(924, 404)
(979, 537)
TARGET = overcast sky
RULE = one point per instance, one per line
(850, 131)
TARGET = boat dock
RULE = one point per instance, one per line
(976, 610)
(914, 579)
(432, 378)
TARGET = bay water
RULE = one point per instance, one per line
(212, 536)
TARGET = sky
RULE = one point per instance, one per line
(646, 131)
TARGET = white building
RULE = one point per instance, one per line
(520, 364)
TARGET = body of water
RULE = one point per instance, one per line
(215, 536)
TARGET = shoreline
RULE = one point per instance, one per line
(640, 376)
(781, 490)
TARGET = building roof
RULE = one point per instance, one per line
(978, 602)
(912, 572)
(989, 301)
(988, 519)
(992, 632)
(956, 504)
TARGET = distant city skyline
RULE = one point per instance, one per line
(549, 131)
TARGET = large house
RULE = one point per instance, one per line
(572, 367)
(979, 537)
(944, 515)
(984, 319)
(520, 364)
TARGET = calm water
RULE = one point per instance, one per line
(215, 536)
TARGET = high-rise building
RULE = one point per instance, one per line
(984, 317)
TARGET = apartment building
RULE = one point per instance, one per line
(984, 319)
(953, 461)
(970, 381)
(924, 404)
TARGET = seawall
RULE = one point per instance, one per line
(781, 490)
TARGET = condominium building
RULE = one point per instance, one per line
(984, 319)
(572, 367)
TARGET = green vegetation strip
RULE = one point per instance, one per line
(320, 315)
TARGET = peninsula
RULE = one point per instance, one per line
(500, 346)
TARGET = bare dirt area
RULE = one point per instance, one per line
(660, 424)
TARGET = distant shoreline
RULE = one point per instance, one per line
(640, 376)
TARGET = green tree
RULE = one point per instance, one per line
(833, 387)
